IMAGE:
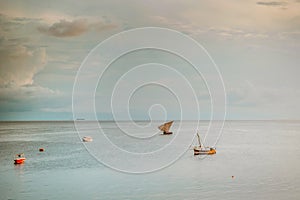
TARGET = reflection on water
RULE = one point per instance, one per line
(19, 169)
(263, 157)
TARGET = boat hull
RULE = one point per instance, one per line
(19, 161)
(204, 152)
(167, 133)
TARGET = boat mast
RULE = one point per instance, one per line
(199, 141)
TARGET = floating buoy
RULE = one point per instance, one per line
(41, 149)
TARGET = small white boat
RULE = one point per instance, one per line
(87, 139)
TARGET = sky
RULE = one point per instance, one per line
(254, 43)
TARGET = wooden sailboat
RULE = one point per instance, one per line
(202, 150)
(166, 127)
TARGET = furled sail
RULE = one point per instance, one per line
(166, 126)
(199, 141)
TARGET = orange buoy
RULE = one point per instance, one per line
(41, 149)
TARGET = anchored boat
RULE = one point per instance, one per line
(166, 127)
(202, 150)
(19, 158)
(87, 139)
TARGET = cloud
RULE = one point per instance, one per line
(77, 27)
(222, 32)
(67, 109)
(259, 98)
(248, 94)
(19, 64)
(291, 35)
(27, 98)
(65, 28)
(18, 67)
(228, 32)
(271, 3)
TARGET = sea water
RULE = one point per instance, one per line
(254, 160)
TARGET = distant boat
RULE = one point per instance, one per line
(202, 150)
(87, 139)
(19, 158)
(166, 127)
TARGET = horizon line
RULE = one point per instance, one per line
(142, 120)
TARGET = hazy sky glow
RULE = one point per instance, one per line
(255, 44)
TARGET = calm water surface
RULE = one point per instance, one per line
(263, 157)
